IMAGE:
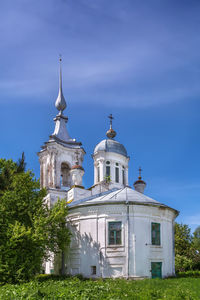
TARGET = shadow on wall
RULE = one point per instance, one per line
(86, 256)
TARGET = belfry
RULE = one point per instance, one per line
(61, 155)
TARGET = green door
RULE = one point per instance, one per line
(156, 270)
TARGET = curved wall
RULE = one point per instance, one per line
(90, 248)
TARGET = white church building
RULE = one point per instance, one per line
(116, 231)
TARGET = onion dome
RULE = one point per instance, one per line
(111, 133)
(60, 103)
(139, 184)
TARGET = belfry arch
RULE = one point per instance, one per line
(65, 175)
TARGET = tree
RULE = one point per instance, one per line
(21, 165)
(187, 248)
(183, 262)
(182, 239)
(196, 238)
(29, 229)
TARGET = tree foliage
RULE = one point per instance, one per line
(29, 228)
(187, 248)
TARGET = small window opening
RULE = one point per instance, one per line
(123, 176)
(65, 174)
(117, 164)
(98, 174)
(108, 162)
(107, 171)
(117, 174)
(93, 270)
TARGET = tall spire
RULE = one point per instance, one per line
(111, 133)
(60, 132)
(60, 101)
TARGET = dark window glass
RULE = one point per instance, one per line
(123, 176)
(98, 174)
(155, 233)
(114, 233)
(108, 163)
(117, 174)
(107, 171)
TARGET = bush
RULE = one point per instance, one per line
(189, 274)
(182, 263)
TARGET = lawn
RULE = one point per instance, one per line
(75, 288)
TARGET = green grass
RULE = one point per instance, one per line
(75, 288)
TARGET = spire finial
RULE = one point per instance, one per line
(60, 101)
(111, 133)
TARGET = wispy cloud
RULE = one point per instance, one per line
(149, 55)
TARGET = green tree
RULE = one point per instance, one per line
(29, 228)
(21, 165)
(196, 238)
(187, 248)
(196, 248)
(182, 239)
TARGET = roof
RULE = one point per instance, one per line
(115, 195)
(110, 145)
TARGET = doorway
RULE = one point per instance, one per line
(156, 270)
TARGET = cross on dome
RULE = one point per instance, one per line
(111, 118)
(140, 172)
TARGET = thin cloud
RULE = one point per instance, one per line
(107, 53)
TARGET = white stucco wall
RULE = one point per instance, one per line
(89, 245)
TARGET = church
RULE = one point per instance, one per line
(117, 231)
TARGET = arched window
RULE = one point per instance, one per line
(123, 175)
(117, 172)
(107, 168)
(65, 175)
(98, 173)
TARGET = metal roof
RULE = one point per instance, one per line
(115, 195)
(110, 145)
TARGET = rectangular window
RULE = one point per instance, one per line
(155, 233)
(114, 233)
(107, 171)
(98, 174)
(123, 176)
(93, 270)
(117, 174)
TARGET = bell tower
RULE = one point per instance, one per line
(61, 153)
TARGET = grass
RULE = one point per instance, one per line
(75, 288)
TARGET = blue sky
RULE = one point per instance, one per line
(139, 60)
